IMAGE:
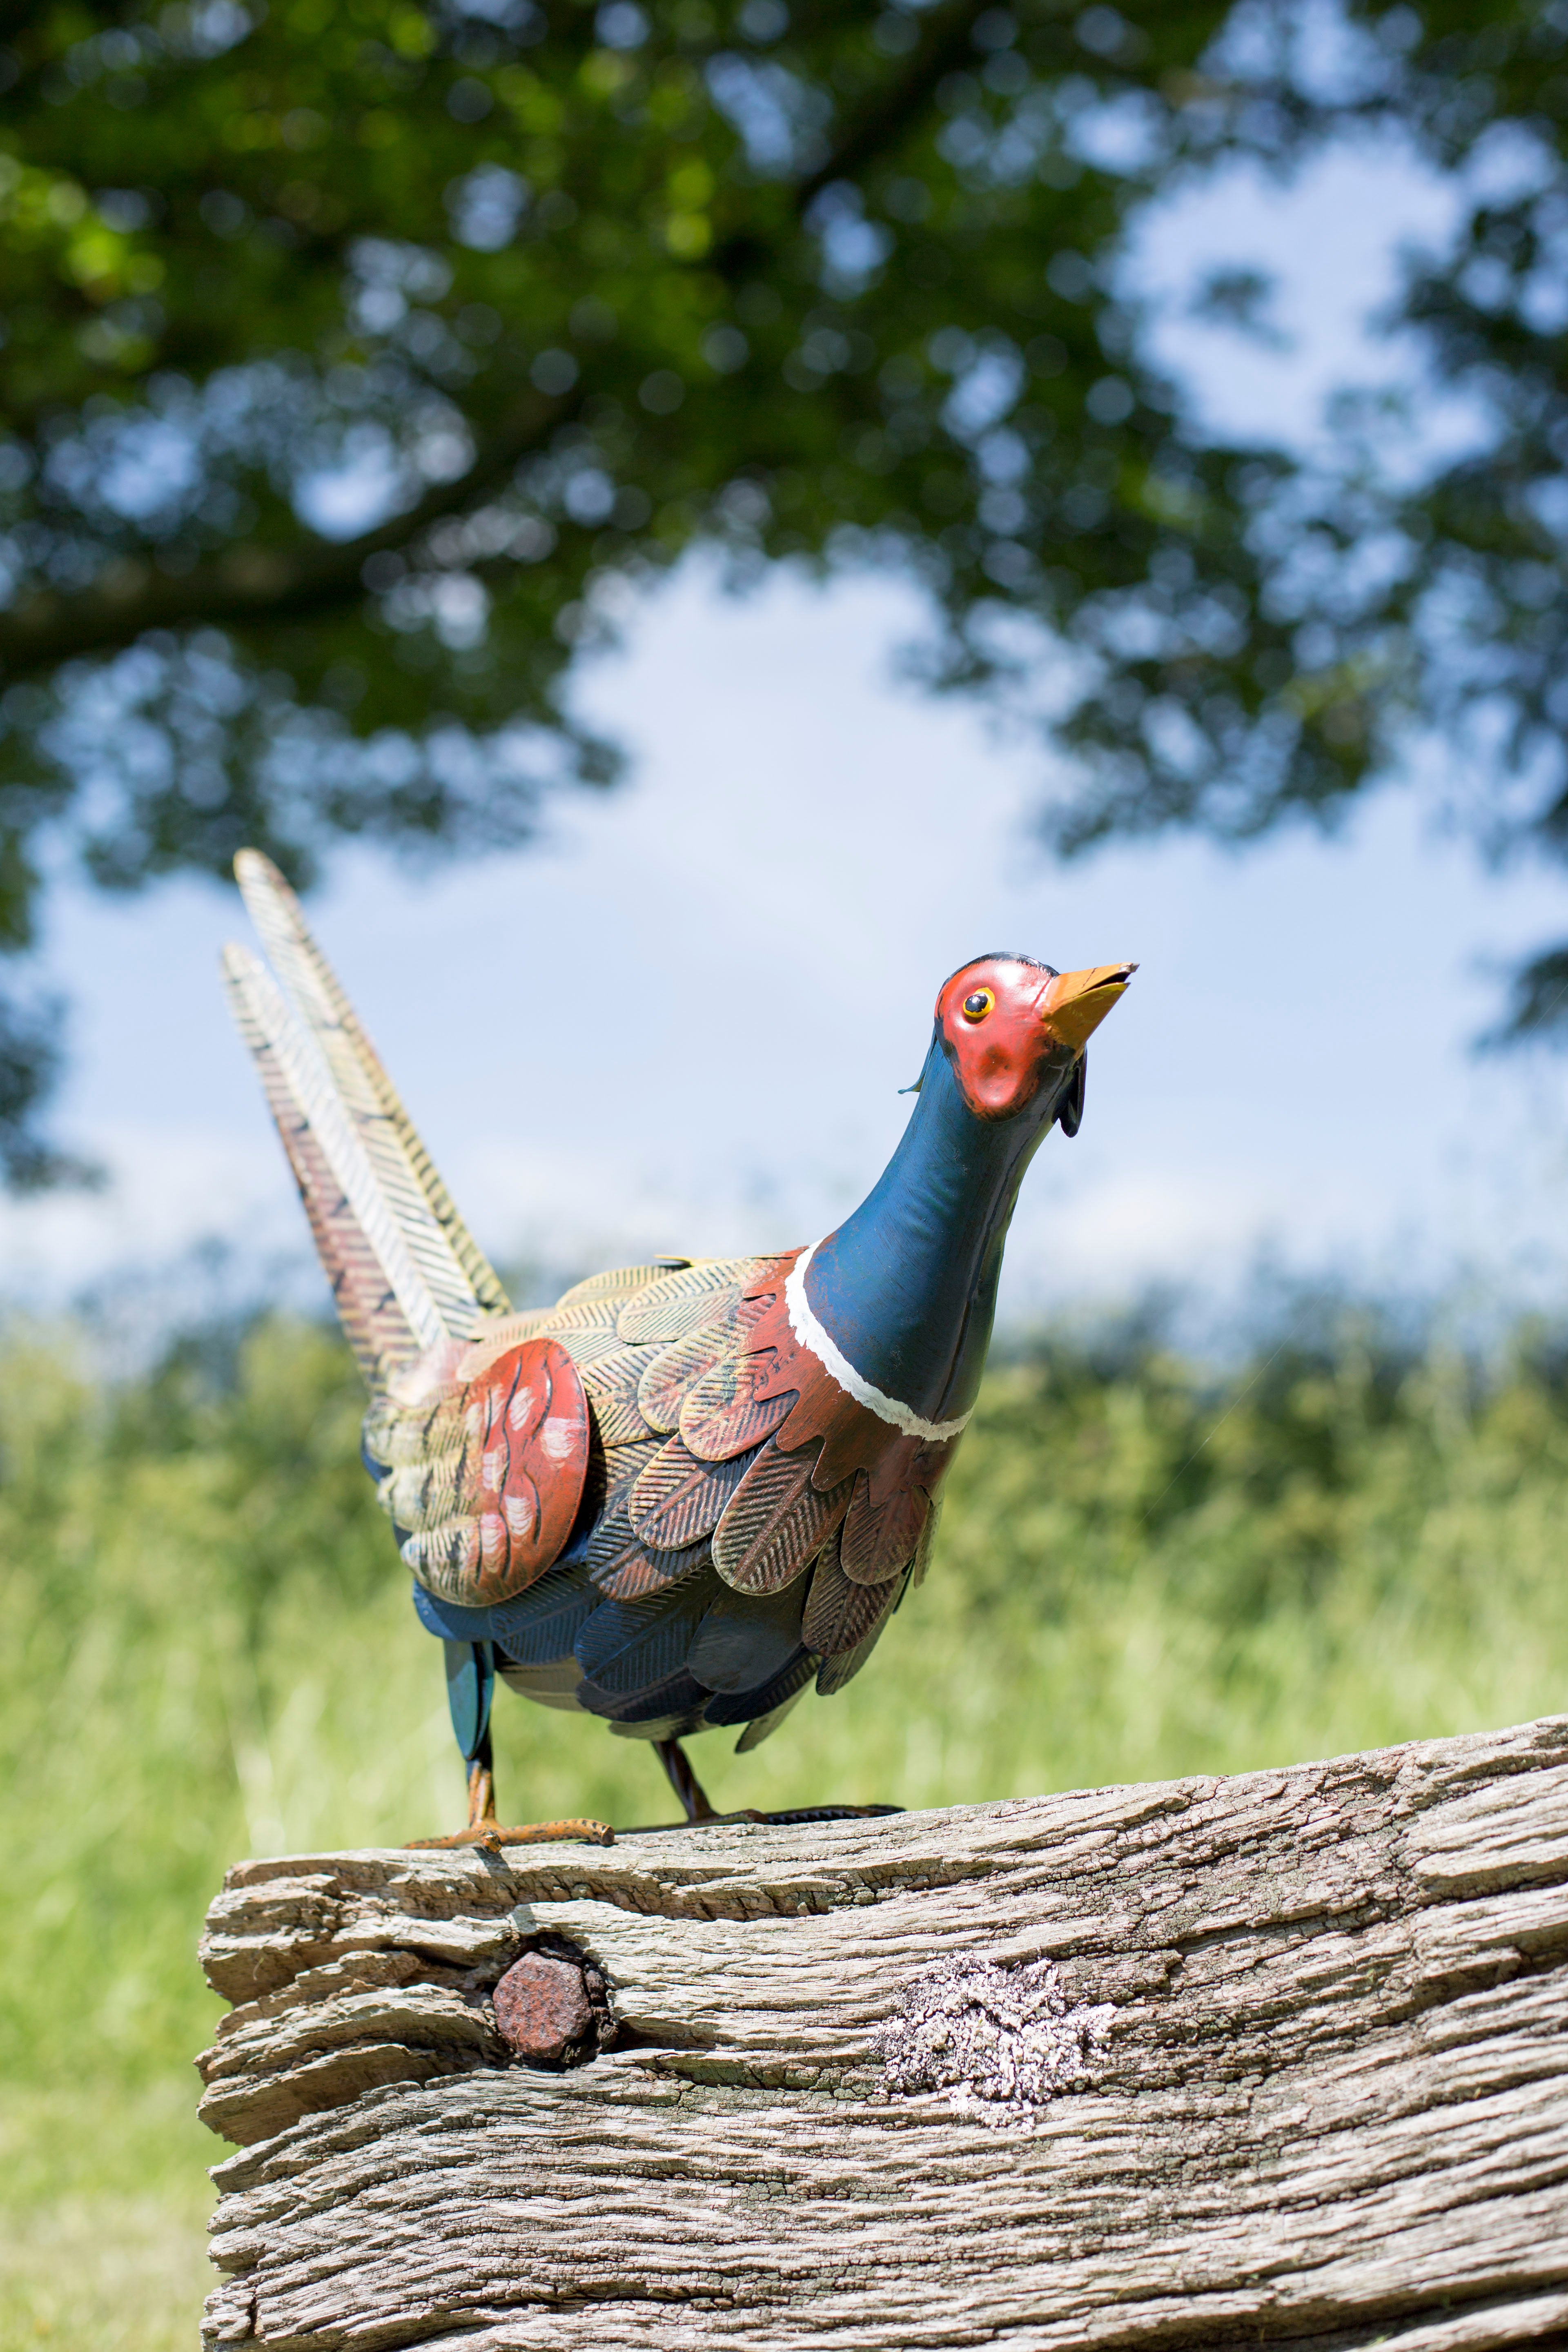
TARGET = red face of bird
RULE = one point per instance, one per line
(1005, 1024)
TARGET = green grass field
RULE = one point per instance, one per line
(210, 1651)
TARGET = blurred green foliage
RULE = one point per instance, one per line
(1142, 1572)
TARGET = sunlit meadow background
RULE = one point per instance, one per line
(1258, 1519)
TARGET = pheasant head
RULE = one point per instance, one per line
(1012, 1029)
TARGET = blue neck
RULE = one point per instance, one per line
(906, 1286)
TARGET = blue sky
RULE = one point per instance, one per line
(683, 1020)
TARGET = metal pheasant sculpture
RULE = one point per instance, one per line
(690, 1488)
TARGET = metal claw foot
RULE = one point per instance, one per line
(699, 1809)
(484, 1829)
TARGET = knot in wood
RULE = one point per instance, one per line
(551, 2009)
(1001, 2041)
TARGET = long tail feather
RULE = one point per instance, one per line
(373, 1323)
(455, 1271)
(388, 1309)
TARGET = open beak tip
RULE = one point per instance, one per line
(1082, 1000)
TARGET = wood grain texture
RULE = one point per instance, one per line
(1330, 2109)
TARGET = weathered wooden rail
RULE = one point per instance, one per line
(1297, 2075)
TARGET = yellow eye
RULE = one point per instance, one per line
(977, 1004)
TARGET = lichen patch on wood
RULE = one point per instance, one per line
(1000, 2041)
(1329, 2110)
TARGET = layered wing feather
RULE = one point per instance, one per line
(743, 1644)
(840, 1614)
(486, 1497)
(777, 1521)
(730, 1576)
(612, 1381)
(721, 1416)
(630, 1646)
(880, 1538)
(679, 1499)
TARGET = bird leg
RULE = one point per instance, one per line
(685, 1782)
(484, 1829)
(698, 1807)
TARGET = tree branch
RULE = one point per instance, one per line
(892, 107)
(253, 582)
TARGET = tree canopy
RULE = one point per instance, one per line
(361, 355)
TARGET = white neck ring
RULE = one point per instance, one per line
(811, 1334)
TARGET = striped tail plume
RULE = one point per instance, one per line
(404, 1270)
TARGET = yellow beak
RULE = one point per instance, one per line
(1074, 1005)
